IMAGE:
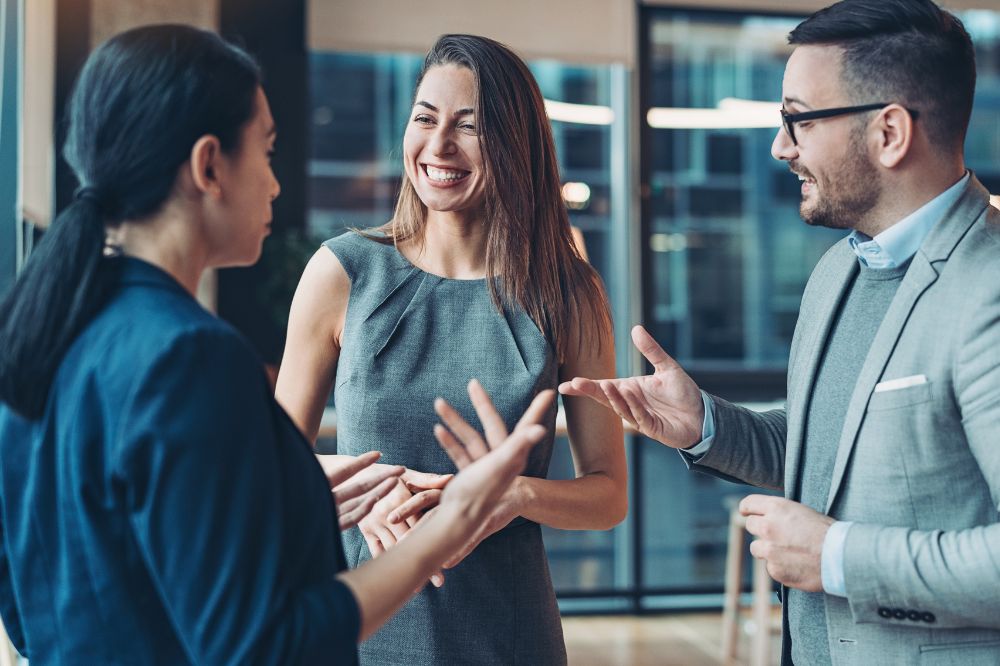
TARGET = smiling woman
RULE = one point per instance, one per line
(476, 276)
(441, 153)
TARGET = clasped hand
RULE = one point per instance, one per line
(404, 505)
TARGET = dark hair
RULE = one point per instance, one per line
(910, 52)
(531, 258)
(143, 99)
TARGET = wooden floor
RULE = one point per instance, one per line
(664, 640)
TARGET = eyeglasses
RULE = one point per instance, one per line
(788, 120)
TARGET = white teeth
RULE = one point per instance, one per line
(444, 175)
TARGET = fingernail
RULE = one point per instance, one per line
(436, 580)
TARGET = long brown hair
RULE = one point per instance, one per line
(531, 259)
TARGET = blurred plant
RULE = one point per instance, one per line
(284, 257)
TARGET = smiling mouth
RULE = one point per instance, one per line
(807, 183)
(444, 176)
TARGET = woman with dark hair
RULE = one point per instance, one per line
(156, 505)
(477, 274)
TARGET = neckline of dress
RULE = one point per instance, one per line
(412, 265)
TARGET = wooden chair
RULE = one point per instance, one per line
(762, 598)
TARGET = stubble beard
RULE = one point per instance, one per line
(845, 202)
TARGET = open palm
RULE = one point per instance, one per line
(666, 405)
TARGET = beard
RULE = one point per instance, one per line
(843, 200)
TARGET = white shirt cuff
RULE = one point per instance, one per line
(832, 559)
(707, 428)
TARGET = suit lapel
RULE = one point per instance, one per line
(922, 273)
(838, 272)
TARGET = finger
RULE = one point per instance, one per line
(425, 480)
(537, 410)
(648, 347)
(342, 472)
(374, 547)
(386, 537)
(463, 432)
(452, 446)
(373, 479)
(586, 388)
(351, 512)
(756, 504)
(637, 406)
(755, 525)
(759, 549)
(493, 426)
(512, 455)
(618, 403)
(415, 505)
(398, 530)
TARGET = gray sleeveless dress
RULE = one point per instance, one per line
(409, 337)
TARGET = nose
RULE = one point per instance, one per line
(275, 187)
(441, 142)
(782, 147)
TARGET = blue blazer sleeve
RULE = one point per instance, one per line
(199, 455)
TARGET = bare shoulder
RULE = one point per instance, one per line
(325, 273)
(320, 303)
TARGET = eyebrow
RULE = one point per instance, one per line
(795, 100)
(461, 112)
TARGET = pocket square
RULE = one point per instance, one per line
(901, 383)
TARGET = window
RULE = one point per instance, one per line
(359, 107)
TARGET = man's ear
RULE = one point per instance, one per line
(205, 157)
(895, 135)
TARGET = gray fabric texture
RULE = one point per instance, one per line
(860, 315)
(410, 337)
(917, 468)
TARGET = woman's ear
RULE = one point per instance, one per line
(895, 127)
(205, 156)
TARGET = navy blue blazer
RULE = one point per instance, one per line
(165, 509)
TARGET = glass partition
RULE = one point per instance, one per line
(359, 107)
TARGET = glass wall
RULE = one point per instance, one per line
(359, 106)
(725, 256)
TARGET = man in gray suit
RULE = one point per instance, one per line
(887, 540)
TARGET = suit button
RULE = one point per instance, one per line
(884, 612)
(928, 617)
(913, 615)
(899, 613)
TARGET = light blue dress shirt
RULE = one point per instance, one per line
(889, 249)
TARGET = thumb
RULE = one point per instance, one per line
(644, 342)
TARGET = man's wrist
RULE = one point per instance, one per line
(832, 559)
(707, 428)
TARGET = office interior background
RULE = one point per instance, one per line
(663, 114)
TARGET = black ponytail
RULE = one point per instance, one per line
(142, 100)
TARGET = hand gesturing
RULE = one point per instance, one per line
(666, 405)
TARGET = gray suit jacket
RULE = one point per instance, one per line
(918, 468)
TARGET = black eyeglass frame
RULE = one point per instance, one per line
(788, 120)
